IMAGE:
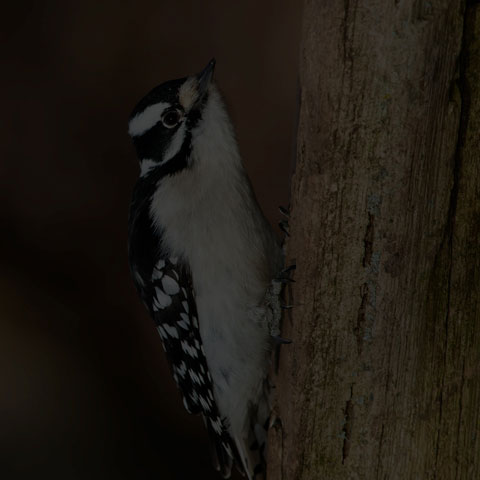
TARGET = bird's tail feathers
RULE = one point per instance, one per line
(252, 443)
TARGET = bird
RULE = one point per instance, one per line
(206, 262)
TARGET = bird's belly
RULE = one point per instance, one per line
(236, 343)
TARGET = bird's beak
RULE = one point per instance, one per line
(204, 78)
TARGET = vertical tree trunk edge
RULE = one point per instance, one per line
(382, 380)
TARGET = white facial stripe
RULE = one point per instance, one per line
(145, 120)
(175, 144)
(146, 165)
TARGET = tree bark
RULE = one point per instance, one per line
(382, 380)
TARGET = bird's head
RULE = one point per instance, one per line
(165, 122)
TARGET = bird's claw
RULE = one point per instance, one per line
(281, 341)
(284, 211)
(284, 227)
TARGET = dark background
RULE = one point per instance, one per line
(85, 389)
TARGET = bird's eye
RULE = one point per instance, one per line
(171, 118)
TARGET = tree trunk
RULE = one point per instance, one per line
(382, 380)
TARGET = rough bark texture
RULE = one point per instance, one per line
(382, 380)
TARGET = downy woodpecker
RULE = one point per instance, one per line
(203, 257)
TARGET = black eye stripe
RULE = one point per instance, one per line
(195, 114)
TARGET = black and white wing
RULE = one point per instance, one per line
(170, 298)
